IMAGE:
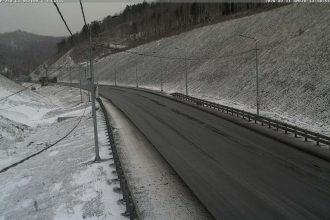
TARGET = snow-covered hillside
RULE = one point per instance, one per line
(294, 52)
(61, 182)
(22, 51)
(61, 65)
(20, 111)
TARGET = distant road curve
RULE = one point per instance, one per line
(235, 172)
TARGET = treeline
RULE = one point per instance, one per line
(21, 52)
(147, 21)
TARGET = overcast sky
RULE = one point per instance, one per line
(42, 18)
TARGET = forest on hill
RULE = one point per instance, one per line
(144, 22)
(21, 52)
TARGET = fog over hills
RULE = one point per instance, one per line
(21, 52)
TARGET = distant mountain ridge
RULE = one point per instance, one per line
(21, 52)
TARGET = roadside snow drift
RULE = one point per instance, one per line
(62, 182)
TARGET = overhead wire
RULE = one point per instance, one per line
(172, 57)
(82, 11)
(59, 140)
(49, 146)
(15, 93)
(60, 13)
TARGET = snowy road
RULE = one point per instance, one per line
(158, 190)
(235, 172)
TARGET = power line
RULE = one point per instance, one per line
(32, 98)
(175, 58)
(22, 90)
(15, 93)
(47, 147)
(82, 11)
(58, 10)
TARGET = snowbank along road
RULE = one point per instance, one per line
(235, 172)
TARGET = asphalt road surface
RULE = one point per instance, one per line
(235, 172)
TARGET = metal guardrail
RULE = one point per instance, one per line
(127, 196)
(271, 123)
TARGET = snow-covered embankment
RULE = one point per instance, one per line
(61, 182)
(294, 65)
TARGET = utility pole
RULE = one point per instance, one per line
(97, 154)
(136, 77)
(70, 70)
(257, 75)
(257, 70)
(89, 96)
(46, 75)
(80, 76)
(115, 75)
(185, 59)
(161, 75)
(46, 69)
(185, 64)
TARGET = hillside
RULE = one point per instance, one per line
(21, 52)
(293, 56)
(18, 112)
(24, 105)
(43, 160)
(148, 21)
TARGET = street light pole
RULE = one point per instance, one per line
(185, 66)
(97, 154)
(161, 75)
(86, 80)
(136, 76)
(70, 70)
(115, 75)
(47, 75)
(185, 61)
(186, 70)
(257, 75)
(257, 70)
(80, 76)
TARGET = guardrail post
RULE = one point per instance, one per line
(305, 135)
(269, 125)
(317, 139)
(295, 132)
